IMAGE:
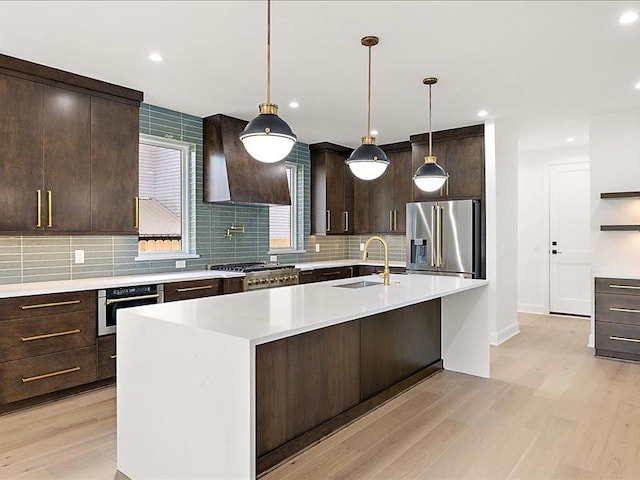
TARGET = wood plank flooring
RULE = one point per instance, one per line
(550, 410)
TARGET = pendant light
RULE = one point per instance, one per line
(267, 137)
(368, 161)
(430, 176)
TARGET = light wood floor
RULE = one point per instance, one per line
(550, 410)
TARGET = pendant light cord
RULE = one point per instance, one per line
(369, 97)
(268, 51)
(430, 129)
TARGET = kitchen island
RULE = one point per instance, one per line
(195, 376)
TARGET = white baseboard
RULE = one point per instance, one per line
(531, 308)
(592, 341)
(496, 338)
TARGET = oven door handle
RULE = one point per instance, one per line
(130, 299)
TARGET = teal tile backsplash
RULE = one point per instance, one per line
(32, 259)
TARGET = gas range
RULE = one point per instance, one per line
(259, 275)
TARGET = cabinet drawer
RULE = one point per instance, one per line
(333, 273)
(27, 337)
(192, 289)
(307, 276)
(21, 307)
(618, 308)
(35, 376)
(616, 337)
(106, 357)
(618, 286)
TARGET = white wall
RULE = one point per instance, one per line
(615, 166)
(533, 223)
(501, 157)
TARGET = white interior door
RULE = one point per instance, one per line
(569, 242)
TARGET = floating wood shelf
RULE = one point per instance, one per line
(619, 194)
(619, 228)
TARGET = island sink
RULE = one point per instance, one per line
(360, 284)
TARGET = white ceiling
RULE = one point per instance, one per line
(547, 66)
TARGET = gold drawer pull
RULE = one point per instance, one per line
(190, 289)
(131, 299)
(627, 310)
(331, 273)
(630, 287)
(52, 374)
(54, 304)
(624, 339)
(50, 335)
(113, 357)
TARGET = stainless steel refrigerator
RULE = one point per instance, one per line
(444, 237)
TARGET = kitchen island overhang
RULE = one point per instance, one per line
(187, 373)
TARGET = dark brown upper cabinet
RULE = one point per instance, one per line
(114, 167)
(332, 190)
(231, 175)
(380, 204)
(20, 154)
(460, 152)
(68, 152)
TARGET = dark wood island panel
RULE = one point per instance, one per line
(309, 385)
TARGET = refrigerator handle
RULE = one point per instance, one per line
(433, 236)
(439, 219)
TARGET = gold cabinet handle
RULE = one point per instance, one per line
(624, 339)
(39, 207)
(395, 220)
(626, 310)
(52, 374)
(113, 357)
(50, 335)
(49, 209)
(190, 289)
(136, 216)
(45, 305)
(130, 299)
(331, 273)
(328, 220)
(346, 221)
(630, 287)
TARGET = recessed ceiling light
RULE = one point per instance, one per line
(155, 57)
(483, 113)
(294, 104)
(628, 17)
(637, 86)
(374, 132)
(571, 139)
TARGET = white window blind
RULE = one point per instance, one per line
(282, 224)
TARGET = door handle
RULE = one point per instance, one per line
(433, 236)
(39, 208)
(439, 217)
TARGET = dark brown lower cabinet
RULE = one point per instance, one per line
(35, 376)
(305, 380)
(192, 289)
(106, 357)
(311, 384)
(394, 346)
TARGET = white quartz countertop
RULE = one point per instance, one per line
(344, 263)
(265, 315)
(621, 276)
(59, 286)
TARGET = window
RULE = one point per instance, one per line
(164, 197)
(282, 218)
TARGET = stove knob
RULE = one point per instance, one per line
(249, 282)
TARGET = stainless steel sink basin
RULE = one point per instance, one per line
(360, 284)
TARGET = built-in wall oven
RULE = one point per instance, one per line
(113, 299)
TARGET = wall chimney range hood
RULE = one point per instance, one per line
(231, 175)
